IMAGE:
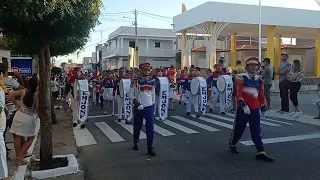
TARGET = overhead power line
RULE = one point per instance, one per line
(114, 13)
(93, 44)
(156, 15)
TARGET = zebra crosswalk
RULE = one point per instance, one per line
(174, 125)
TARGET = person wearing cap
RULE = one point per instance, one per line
(108, 88)
(190, 99)
(171, 75)
(215, 94)
(75, 100)
(250, 101)
(284, 84)
(144, 108)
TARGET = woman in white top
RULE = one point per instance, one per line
(295, 78)
(3, 153)
(25, 120)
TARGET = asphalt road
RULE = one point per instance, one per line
(197, 149)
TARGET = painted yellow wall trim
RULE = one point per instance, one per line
(277, 57)
(270, 44)
(184, 41)
(184, 8)
(317, 60)
(233, 52)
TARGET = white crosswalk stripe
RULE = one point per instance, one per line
(129, 128)
(162, 131)
(109, 132)
(203, 126)
(216, 122)
(261, 121)
(172, 126)
(180, 127)
(221, 117)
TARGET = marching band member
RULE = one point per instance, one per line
(75, 99)
(144, 108)
(94, 92)
(216, 95)
(108, 87)
(118, 98)
(171, 74)
(191, 99)
(181, 80)
(100, 93)
(250, 100)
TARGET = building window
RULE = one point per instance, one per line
(132, 44)
(157, 44)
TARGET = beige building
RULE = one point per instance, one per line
(70, 66)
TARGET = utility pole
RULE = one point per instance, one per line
(260, 29)
(101, 36)
(136, 59)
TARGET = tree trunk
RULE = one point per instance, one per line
(45, 108)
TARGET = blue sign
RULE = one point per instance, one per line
(24, 65)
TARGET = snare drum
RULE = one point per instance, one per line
(196, 83)
(124, 85)
(223, 81)
(161, 81)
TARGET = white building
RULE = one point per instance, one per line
(156, 46)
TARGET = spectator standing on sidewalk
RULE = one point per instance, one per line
(295, 78)
(267, 75)
(3, 154)
(284, 85)
(318, 102)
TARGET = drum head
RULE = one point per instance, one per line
(221, 84)
(194, 86)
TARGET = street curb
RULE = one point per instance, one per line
(302, 119)
(20, 173)
(72, 168)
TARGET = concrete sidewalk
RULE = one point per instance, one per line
(306, 103)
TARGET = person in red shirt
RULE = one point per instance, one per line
(250, 101)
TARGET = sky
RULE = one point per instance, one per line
(120, 13)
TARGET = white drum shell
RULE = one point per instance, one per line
(159, 80)
(222, 82)
(124, 83)
(195, 85)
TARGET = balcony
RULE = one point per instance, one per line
(151, 52)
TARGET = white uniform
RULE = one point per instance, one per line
(75, 103)
(3, 152)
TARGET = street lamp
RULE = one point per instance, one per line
(260, 17)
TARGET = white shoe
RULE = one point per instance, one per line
(292, 113)
(297, 114)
